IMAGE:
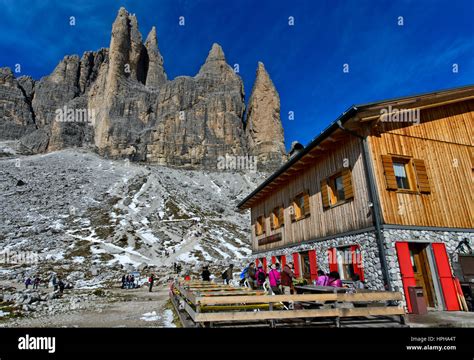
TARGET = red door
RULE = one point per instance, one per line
(264, 264)
(446, 277)
(406, 269)
(296, 264)
(313, 265)
(283, 261)
(274, 259)
(332, 259)
(357, 261)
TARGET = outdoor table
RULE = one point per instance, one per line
(314, 289)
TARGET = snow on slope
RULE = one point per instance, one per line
(77, 211)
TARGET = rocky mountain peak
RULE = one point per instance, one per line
(263, 130)
(156, 75)
(137, 113)
(216, 53)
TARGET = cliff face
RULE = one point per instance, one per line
(132, 110)
(16, 115)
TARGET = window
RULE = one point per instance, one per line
(260, 226)
(300, 206)
(337, 189)
(305, 266)
(405, 174)
(401, 174)
(347, 261)
(277, 218)
(344, 261)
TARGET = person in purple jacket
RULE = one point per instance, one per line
(323, 279)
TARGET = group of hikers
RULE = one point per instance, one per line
(128, 281)
(279, 280)
(57, 283)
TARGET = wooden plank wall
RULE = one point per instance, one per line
(444, 140)
(345, 217)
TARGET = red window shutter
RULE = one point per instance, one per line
(313, 265)
(357, 261)
(264, 264)
(406, 269)
(283, 261)
(274, 259)
(446, 277)
(256, 262)
(296, 264)
(332, 259)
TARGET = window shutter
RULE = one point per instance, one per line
(347, 183)
(272, 221)
(296, 264)
(293, 212)
(390, 180)
(306, 204)
(324, 193)
(332, 260)
(281, 216)
(421, 176)
(274, 260)
(313, 264)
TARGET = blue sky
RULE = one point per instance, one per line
(305, 61)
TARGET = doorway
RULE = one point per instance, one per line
(422, 271)
(305, 266)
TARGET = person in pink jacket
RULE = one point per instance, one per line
(275, 279)
(323, 279)
(334, 279)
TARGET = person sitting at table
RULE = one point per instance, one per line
(357, 282)
(322, 279)
(334, 279)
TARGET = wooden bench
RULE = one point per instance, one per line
(233, 305)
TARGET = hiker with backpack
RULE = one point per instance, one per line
(250, 276)
(206, 274)
(275, 279)
(260, 276)
(228, 274)
(287, 276)
(28, 282)
(323, 279)
(151, 281)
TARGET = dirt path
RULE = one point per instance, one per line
(137, 308)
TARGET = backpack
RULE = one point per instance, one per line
(224, 275)
(243, 274)
(261, 277)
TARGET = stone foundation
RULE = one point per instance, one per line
(370, 254)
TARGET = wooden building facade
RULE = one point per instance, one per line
(387, 186)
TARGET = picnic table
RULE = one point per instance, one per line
(315, 289)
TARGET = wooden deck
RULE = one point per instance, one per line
(208, 305)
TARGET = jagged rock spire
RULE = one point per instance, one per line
(264, 131)
(216, 66)
(126, 50)
(156, 75)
